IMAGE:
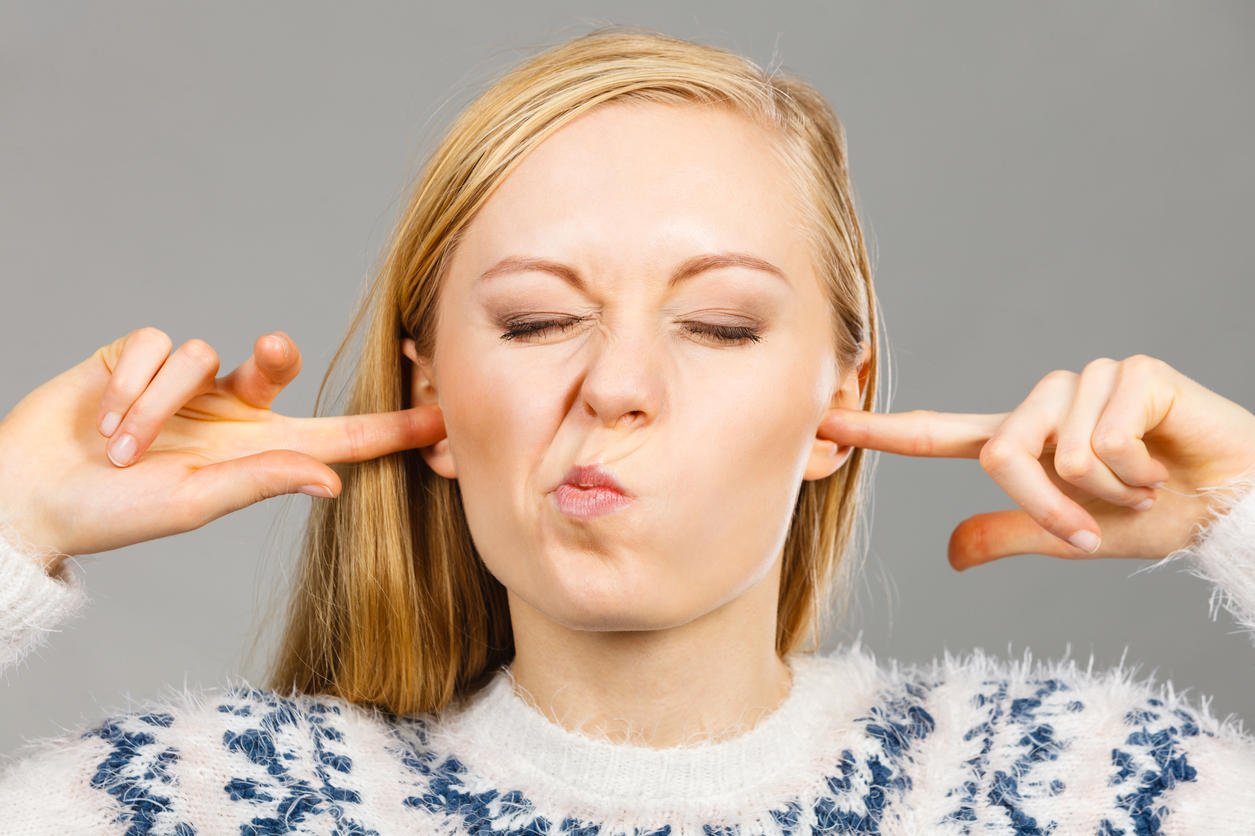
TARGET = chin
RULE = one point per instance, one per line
(617, 621)
(614, 610)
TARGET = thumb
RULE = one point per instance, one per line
(218, 489)
(984, 538)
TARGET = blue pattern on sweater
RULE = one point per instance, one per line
(1158, 735)
(297, 797)
(865, 780)
(1037, 743)
(135, 769)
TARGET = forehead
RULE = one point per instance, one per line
(664, 176)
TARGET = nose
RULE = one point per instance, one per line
(622, 384)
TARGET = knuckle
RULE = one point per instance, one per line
(1072, 464)
(356, 433)
(194, 514)
(925, 443)
(1059, 376)
(1143, 363)
(201, 352)
(153, 335)
(1099, 364)
(996, 454)
(1111, 443)
(1053, 519)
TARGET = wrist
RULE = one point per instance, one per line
(23, 537)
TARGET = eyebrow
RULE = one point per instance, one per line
(690, 267)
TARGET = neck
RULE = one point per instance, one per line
(710, 679)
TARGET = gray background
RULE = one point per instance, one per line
(1040, 186)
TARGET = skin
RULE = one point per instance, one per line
(653, 625)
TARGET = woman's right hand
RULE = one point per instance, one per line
(205, 446)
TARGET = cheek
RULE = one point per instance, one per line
(491, 403)
(760, 416)
(499, 426)
(763, 441)
(745, 474)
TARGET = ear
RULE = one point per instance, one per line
(439, 456)
(826, 456)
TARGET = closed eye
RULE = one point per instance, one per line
(726, 334)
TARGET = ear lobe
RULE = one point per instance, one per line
(826, 457)
(440, 459)
(439, 456)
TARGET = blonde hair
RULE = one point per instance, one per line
(392, 607)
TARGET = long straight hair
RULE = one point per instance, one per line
(392, 606)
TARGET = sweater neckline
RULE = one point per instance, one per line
(503, 735)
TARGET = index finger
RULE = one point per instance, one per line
(919, 432)
(357, 438)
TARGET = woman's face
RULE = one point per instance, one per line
(712, 437)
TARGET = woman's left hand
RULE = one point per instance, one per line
(1077, 456)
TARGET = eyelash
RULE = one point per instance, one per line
(726, 334)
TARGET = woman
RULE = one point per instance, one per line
(576, 580)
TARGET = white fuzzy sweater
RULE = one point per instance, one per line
(959, 745)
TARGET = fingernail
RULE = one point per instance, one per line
(316, 490)
(109, 423)
(122, 449)
(1144, 504)
(1159, 484)
(1086, 541)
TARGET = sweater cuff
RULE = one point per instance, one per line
(1222, 551)
(32, 602)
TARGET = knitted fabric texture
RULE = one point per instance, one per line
(961, 744)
